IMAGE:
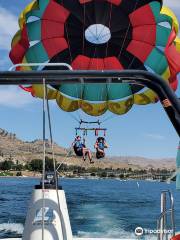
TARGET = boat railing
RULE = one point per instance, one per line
(162, 231)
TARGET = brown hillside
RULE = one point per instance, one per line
(15, 149)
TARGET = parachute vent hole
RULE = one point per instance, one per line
(33, 43)
(98, 34)
(32, 19)
(165, 24)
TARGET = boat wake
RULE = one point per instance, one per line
(11, 228)
(120, 233)
(102, 222)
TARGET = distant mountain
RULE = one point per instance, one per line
(15, 149)
(145, 163)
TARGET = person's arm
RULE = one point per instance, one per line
(96, 145)
(106, 145)
(73, 144)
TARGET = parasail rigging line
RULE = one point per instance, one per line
(112, 116)
(50, 133)
(44, 156)
(120, 52)
(64, 233)
(110, 16)
(74, 117)
(66, 30)
(84, 24)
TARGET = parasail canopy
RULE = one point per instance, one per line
(99, 35)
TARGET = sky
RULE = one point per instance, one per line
(144, 131)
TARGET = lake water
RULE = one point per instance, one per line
(97, 208)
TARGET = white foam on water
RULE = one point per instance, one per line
(106, 225)
(117, 233)
(12, 227)
(120, 233)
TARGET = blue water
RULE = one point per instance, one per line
(97, 208)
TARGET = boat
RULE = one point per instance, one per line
(48, 217)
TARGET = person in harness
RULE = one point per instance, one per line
(100, 145)
(81, 150)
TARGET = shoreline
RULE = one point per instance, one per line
(86, 178)
(94, 173)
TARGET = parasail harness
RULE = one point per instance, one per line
(84, 129)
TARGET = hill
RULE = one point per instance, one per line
(12, 148)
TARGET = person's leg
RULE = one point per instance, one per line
(90, 157)
(88, 153)
(100, 150)
(100, 153)
(84, 151)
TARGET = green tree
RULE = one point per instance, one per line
(93, 174)
(93, 169)
(6, 165)
(28, 167)
(164, 178)
(103, 174)
(19, 167)
(121, 176)
(112, 175)
(49, 164)
(19, 174)
(63, 167)
(36, 165)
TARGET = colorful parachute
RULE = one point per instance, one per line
(99, 35)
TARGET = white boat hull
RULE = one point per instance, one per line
(56, 218)
(53, 218)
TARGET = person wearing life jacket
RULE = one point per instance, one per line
(81, 150)
(100, 145)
